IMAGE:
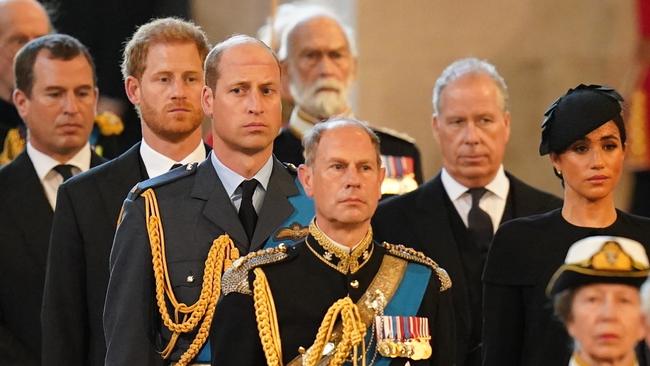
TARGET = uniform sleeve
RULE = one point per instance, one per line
(64, 311)
(503, 308)
(234, 336)
(129, 309)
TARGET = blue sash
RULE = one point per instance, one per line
(407, 299)
(303, 212)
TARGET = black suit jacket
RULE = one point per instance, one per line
(420, 219)
(195, 209)
(25, 223)
(87, 210)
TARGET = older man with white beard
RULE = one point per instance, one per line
(319, 58)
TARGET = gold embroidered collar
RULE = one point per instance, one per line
(337, 258)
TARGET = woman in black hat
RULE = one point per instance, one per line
(595, 294)
(585, 136)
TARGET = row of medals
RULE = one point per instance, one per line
(400, 336)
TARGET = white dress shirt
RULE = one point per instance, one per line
(158, 164)
(493, 201)
(50, 179)
(232, 180)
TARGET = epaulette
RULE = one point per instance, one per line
(291, 168)
(235, 279)
(394, 133)
(171, 176)
(413, 255)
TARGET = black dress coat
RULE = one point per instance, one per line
(519, 326)
(25, 224)
(84, 225)
(195, 209)
(303, 288)
(427, 220)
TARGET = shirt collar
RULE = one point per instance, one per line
(498, 186)
(231, 180)
(158, 164)
(44, 163)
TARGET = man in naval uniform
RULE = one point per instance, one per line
(20, 22)
(161, 313)
(385, 303)
(319, 58)
(89, 204)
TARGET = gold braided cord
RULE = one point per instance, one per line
(267, 319)
(221, 254)
(354, 331)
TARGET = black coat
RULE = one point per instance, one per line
(519, 326)
(303, 288)
(87, 210)
(423, 219)
(195, 209)
(25, 223)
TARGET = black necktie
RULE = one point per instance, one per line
(478, 221)
(247, 214)
(64, 170)
(176, 165)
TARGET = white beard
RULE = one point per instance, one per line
(321, 103)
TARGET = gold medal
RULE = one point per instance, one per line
(426, 349)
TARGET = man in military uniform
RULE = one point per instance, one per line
(20, 22)
(88, 205)
(453, 216)
(177, 220)
(338, 292)
(56, 96)
(319, 59)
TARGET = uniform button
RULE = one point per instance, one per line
(354, 284)
(190, 279)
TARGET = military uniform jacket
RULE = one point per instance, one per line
(288, 148)
(88, 207)
(424, 218)
(25, 223)
(303, 288)
(195, 210)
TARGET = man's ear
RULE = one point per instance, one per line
(434, 128)
(21, 101)
(207, 100)
(132, 89)
(305, 175)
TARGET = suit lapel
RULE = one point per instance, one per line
(276, 207)
(33, 211)
(218, 208)
(439, 233)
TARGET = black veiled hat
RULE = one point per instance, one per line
(577, 113)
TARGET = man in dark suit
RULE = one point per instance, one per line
(88, 206)
(176, 221)
(56, 97)
(20, 22)
(452, 217)
(319, 61)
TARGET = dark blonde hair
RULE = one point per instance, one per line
(163, 30)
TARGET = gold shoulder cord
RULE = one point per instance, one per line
(267, 319)
(354, 331)
(220, 257)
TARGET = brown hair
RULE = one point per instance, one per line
(211, 66)
(58, 46)
(163, 30)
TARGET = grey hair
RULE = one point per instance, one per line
(465, 66)
(308, 14)
(312, 138)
